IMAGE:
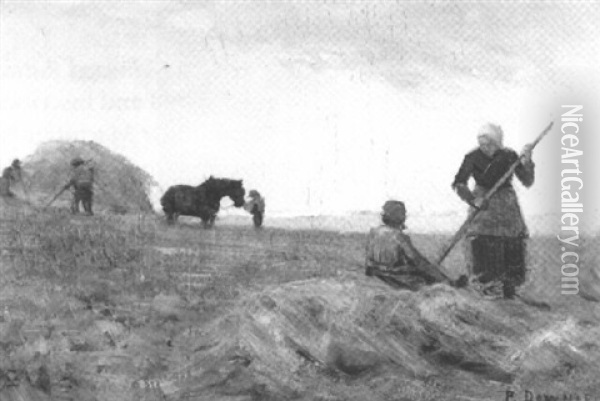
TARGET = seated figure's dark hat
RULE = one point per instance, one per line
(394, 211)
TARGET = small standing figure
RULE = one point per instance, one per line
(82, 181)
(256, 207)
(10, 175)
(391, 256)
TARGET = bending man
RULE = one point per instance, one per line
(82, 180)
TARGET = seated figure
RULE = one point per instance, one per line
(391, 256)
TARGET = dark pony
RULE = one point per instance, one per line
(203, 201)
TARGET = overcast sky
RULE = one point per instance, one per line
(321, 105)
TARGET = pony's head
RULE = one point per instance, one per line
(226, 187)
(237, 193)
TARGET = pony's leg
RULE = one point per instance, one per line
(171, 217)
(208, 221)
(207, 214)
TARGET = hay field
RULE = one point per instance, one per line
(127, 308)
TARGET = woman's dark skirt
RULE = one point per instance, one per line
(498, 259)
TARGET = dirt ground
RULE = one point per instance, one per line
(127, 308)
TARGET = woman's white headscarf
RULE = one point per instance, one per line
(493, 132)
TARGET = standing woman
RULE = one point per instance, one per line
(496, 240)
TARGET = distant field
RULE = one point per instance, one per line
(424, 223)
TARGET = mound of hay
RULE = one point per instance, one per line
(319, 338)
(120, 186)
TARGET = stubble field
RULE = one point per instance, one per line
(127, 308)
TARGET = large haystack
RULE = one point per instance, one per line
(120, 185)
